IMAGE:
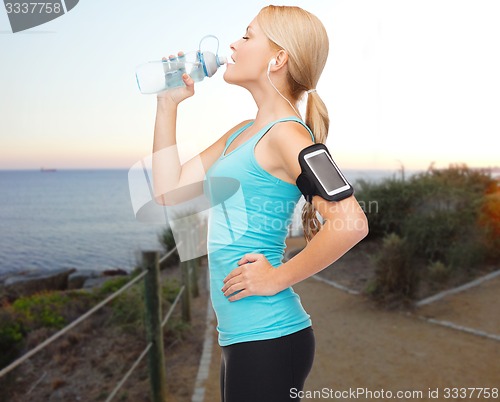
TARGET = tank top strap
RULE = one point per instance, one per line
(234, 135)
(290, 118)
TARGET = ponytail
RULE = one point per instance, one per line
(318, 121)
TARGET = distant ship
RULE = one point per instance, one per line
(45, 170)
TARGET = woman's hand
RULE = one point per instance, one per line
(177, 95)
(254, 276)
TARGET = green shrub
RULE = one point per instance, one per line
(431, 234)
(167, 241)
(438, 272)
(395, 201)
(449, 215)
(11, 336)
(112, 285)
(169, 290)
(127, 310)
(396, 279)
(175, 330)
(489, 221)
(42, 310)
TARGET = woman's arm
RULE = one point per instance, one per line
(345, 224)
(166, 164)
(174, 183)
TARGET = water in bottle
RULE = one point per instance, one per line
(161, 75)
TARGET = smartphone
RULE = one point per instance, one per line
(328, 174)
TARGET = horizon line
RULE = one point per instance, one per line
(51, 169)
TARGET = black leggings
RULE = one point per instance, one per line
(268, 370)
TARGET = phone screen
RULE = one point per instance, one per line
(326, 172)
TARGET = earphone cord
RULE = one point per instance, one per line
(290, 103)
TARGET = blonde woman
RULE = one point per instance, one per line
(265, 334)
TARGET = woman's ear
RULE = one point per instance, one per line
(279, 61)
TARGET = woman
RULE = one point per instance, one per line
(266, 336)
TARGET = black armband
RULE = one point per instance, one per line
(321, 176)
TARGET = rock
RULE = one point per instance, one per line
(22, 272)
(77, 279)
(25, 285)
(114, 272)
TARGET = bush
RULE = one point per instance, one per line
(175, 328)
(169, 290)
(489, 220)
(52, 310)
(395, 200)
(438, 272)
(42, 310)
(451, 215)
(127, 310)
(11, 336)
(112, 285)
(167, 241)
(396, 279)
(445, 219)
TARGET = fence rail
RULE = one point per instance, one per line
(154, 323)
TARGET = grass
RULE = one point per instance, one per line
(46, 312)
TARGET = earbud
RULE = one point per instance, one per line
(272, 62)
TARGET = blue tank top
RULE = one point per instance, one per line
(250, 212)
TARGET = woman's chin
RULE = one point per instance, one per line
(228, 77)
(231, 78)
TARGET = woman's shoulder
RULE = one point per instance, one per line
(290, 132)
(240, 125)
(235, 129)
(287, 140)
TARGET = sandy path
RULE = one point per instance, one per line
(360, 345)
(477, 307)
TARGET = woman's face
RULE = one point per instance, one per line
(251, 56)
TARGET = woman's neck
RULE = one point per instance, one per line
(271, 107)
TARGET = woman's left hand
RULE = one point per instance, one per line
(254, 276)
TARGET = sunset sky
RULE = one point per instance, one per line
(406, 83)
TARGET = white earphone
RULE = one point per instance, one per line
(272, 62)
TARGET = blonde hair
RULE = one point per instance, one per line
(303, 37)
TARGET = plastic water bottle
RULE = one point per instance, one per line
(161, 75)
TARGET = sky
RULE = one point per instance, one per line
(407, 83)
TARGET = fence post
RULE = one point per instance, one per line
(156, 357)
(194, 263)
(194, 277)
(186, 295)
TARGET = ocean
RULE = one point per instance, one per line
(74, 218)
(80, 219)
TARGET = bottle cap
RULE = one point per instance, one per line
(211, 62)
